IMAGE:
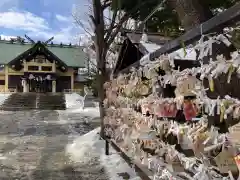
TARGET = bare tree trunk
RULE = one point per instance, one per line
(102, 77)
(100, 56)
(190, 12)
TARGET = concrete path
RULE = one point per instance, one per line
(32, 147)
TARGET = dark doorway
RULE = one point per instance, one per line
(63, 82)
(15, 82)
(40, 86)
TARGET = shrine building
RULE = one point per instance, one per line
(41, 66)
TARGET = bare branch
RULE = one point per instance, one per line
(93, 20)
(106, 4)
(92, 63)
(110, 19)
(78, 22)
(124, 18)
(117, 29)
(111, 27)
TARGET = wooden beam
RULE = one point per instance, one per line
(228, 17)
(219, 21)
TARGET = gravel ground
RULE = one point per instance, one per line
(32, 147)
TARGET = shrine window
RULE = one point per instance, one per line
(46, 68)
(33, 68)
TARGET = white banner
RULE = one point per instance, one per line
(82, 70)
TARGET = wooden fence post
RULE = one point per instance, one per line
(106, 147)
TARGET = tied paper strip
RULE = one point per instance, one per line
(225, 162)
(211, 83)
(230, 71)
(222, 112)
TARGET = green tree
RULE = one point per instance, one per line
(174, 14)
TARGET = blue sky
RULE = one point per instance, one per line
(42, 19)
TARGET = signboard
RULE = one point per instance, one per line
(82, 71)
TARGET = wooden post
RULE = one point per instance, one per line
(106, 147)
(54, 86)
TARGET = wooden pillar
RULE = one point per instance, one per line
(6, 79)
(54, 66)
(25, 88)
(25, 67)
(53, 86)
(72, 80)
(106, 147)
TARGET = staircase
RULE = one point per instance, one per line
(30, 101)
(19, 101)
(51, 101)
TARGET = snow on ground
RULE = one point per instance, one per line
(88, 146)
(83, 147)
(3, 97)
(75, 103)
(74, 100)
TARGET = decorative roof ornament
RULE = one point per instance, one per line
(31, 76)
(49, 40)
(48, 77)
(28, 38)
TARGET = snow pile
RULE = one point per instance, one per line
(83, 147)
(3, 97)
(88, 145)
(88, 148)
(75, 104)
(90, 111)
(74, 100)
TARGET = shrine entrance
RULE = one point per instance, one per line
(39, 83)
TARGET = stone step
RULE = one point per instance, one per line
(29, 101)
(51, 101)
(18, 101)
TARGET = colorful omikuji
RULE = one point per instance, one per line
(173, 136)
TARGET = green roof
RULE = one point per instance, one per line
(10, 51)
(72, 56)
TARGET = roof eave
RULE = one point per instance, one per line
(30, 52)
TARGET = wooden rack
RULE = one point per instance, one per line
(215, 24)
